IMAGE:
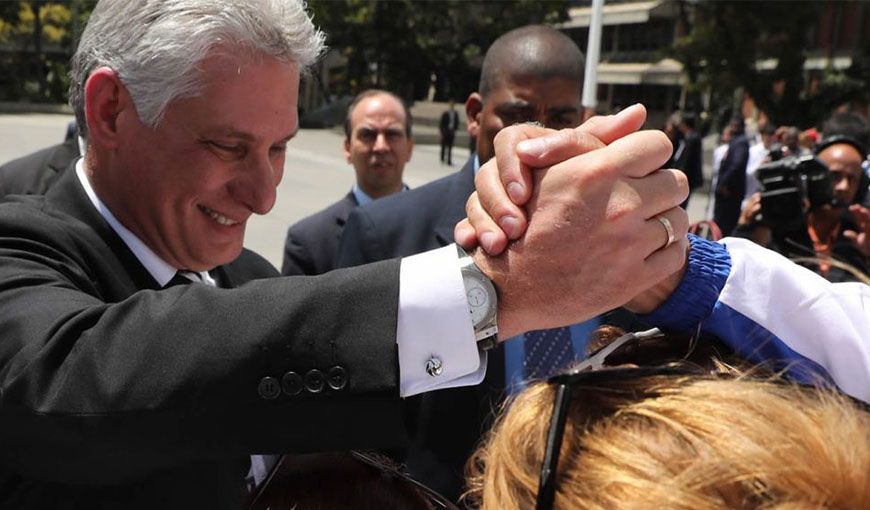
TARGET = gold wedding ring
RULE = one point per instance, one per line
(669, 229)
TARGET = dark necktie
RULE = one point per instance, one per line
(547, 351)
(183, 278)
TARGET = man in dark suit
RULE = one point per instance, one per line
(378, 143)
(35, 173)
(447, 126)
(731, 183)
(688, 155)
(449, 423)
(145, 354)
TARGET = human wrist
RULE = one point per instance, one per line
(707, 268)
(508, 316)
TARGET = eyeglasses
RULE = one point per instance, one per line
(591, 368)
(288, 465)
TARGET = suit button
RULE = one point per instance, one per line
(269, 388)
(291, 383)
(314, 381)
(434, 367)
(336, 378)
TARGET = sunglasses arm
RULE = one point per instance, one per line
(547, 483)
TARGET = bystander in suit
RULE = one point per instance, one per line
(146, 354)
(688, 153)
(731, 180)
(35, 173)
(378, 144)
(447, 126)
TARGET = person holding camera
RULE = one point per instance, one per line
(816, 216)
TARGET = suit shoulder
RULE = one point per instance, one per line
(339, 210)
(30, 211)
(35, 172)
(253, 266)
(31, 160)
(413, 202)
(32, 218)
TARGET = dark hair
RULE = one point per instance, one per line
(371, 93)
(679, 117)
(768, 129)
(535, 51)
(337, 481)
(689, 120)
(737, 125)
(848, 125)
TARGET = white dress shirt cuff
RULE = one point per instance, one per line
(434, 326)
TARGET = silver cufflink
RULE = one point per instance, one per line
(434, 366)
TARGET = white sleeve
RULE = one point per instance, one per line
(828, 323)
(434, 326)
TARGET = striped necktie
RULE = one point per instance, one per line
(183, 277)
(547, 351)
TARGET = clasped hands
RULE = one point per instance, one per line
(567, 221)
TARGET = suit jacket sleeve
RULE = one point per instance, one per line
(774, 312)
(113, 389)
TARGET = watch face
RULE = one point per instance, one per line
(481, 303)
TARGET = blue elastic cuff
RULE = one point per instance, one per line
(708, 267)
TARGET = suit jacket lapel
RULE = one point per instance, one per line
(342, 213)
(454, 208)
(68, 196)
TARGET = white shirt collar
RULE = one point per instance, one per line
(159, 269)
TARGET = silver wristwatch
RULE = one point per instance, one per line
(482, 301)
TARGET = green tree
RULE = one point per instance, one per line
(399, 44)
(731, 45)
(37, 39)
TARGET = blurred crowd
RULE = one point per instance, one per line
(801, 193)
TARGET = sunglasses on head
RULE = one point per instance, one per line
(592, 369)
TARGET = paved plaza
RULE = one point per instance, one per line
(315, 174)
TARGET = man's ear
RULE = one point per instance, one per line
(105, 98)
(347, 149)
(410, 148)
(473, 109)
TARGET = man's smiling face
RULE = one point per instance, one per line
(188, 186)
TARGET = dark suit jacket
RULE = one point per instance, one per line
(448, 123)
(117, 394)
(446, 424)
(732, 170)
(732, 175)
(35, 173)
(312, 243)
(690, 160)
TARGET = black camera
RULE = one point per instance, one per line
(791, 187)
